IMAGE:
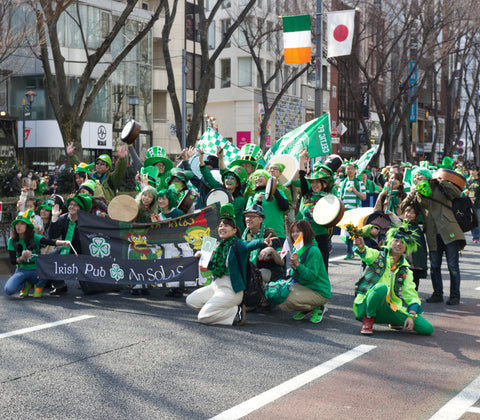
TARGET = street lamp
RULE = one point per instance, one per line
(133, 101)
(31, 97)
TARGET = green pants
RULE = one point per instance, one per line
(376, 305)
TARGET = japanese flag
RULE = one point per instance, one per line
(340, 28)
(285, 249)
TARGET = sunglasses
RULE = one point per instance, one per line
(100, 163)
(404, 235)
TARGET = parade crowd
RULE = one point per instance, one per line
(277, 219)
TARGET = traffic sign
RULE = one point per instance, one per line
(334, 132)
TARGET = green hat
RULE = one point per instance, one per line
(25, 217)
(238, 172)
(83, 167)
(184, 176)
(89, 185)
(83, 200)
(249, 153)
(47, 204)
(105, 158)
(169, 195)
(152, 173)
(322, 176)
(403, 232)
(227, 211)
(157, 154)
(260, 172)
(422, 171)
(447, 163)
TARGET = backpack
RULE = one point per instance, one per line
(463, 211)
(254, 292)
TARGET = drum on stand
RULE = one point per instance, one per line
(219, 195)
(130, 131)
(123, 208)
(187, 201)
(452, 176)
(270, 188)
(328, 211)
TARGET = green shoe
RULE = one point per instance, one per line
(349, 257)
(299, 315)
(24, 292)
(38, 292)
(317, 314)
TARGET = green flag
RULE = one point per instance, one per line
(313, 135)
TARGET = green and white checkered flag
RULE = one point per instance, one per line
(365, 159)
(211, 141)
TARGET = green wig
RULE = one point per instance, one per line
(403, 232)
(168, 193)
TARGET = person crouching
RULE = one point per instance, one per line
(221, 301)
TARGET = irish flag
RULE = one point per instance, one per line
(297, 42)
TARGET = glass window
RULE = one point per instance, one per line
(242, 2)
(193, 70)
(159, 106)
(226, 23)
(211, 35)
(225, 66)
(245, 71)
(226, 3)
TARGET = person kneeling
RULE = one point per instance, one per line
(310, 288)
(386, 281)
(221, 301)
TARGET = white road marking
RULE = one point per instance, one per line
(477, 288)
(461, 403)
(273, 394)
(44, 326)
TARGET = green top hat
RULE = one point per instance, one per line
(447, 163)
(238, 172)
(152, 173)
(227, 211)
(157, 154)
(249, 153)
(83, 200)
(25, 217)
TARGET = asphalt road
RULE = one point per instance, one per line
(147, 357)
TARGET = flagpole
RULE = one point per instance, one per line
(318, 62)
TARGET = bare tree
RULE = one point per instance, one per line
(388, 41)
(71, 112)
(259, 38)
(207, 64)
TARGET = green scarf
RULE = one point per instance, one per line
(218, 263)
(393, 202)
(68, 237)
(258, 235)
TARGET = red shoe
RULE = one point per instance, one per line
(367, 327)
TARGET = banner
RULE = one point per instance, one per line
(211, 141)
(313, 135)
(125, 253)
(366, 158)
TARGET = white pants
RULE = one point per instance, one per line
(217, 303)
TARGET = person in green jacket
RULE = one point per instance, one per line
(387, 283)
(311, 289)
(108, 178)
(221, 301)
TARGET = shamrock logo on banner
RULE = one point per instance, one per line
(99, 248)
(116, 272)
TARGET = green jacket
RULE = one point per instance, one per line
(238, 267)
(312, 272)
(111, 180)
(400, 285)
